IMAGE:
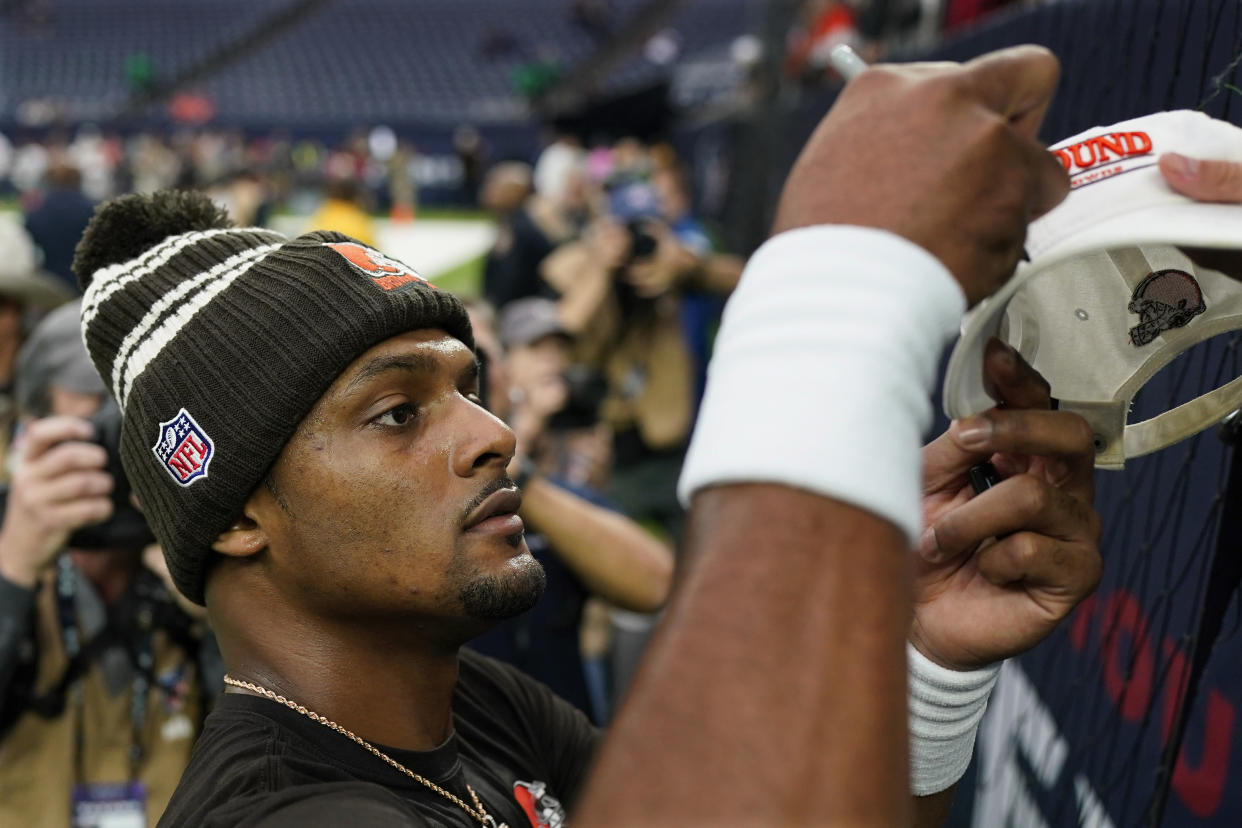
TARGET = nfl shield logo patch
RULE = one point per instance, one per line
(184, 448)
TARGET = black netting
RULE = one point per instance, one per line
(1088, 719)
(1125, 716)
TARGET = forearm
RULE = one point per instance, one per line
(718, 273)
(778, 678)
(582, 281)
(754, 661)
(613, 556)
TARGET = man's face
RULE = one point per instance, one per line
(377, 502)
(10, 318)
(72, 403)
(542, 361)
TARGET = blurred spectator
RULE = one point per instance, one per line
(641, 292)
(245, 196)
(899, 24)
(102, 685)
(30, 161)
(585, 547)
(139, 71)
(559, 162)
(537, 75)
(468, 146)
(342, 211)
(402, 186)
(152, 165)
(57, 220)
(624, 290)
(822, 26)
(714, 275)
(960, 13)
(96, 157)
(529, 227)
(24, 291)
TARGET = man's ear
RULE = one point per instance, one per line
(247, 536)
(241, 540)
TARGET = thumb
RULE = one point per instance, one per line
(1219, 181)
(953, 452)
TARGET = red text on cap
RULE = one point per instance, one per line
(1103, 149)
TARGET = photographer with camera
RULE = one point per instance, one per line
(585, 546)
(641, 292)
(101, 690)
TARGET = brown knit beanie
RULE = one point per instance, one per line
(216, 341)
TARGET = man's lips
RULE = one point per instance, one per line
(497, 513)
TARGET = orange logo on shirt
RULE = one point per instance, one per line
(384, 272)
(541, 808)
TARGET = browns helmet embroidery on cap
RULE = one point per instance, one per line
(1164, 300)
(384, 272)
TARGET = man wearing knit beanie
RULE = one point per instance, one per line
(302, 427)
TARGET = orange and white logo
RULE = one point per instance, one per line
(541, 808)
(384, 272)
(1104, 156)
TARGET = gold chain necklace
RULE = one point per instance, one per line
(477, 812)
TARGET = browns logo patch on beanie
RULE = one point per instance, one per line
(216, 342)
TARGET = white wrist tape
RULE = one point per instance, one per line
(823, 368)
(945, 709)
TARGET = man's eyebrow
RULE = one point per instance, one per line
(409, 363)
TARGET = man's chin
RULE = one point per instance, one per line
(508, 594)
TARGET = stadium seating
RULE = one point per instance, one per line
(76, 53)
(362, 61)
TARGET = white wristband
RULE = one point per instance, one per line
(823, 368)
(945, 709)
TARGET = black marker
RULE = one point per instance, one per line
(983, 476)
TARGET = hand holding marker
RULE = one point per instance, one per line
(849, 65)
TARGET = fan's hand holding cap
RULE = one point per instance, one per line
(1108, 297)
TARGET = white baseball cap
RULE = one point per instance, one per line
(1108, 298)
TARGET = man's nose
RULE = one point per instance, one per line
(486, 440)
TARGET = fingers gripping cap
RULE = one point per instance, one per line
(1108, 298)
(217, 342)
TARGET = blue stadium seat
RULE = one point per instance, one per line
(367, 60)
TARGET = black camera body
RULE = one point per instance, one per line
(642, 243)
(126, 528)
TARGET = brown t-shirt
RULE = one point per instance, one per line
(258, 763)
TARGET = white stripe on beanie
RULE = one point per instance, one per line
(108, 280)
(138, 348)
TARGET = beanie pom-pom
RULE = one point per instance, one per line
(126, 227)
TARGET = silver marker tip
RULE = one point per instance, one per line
(847, 62)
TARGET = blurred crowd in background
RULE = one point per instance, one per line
(598, 301)
(594, 312)
(594, 309)
(877, 29)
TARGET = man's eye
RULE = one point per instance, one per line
(398, 416)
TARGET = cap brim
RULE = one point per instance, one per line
(37, 289)
(1189, 225)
